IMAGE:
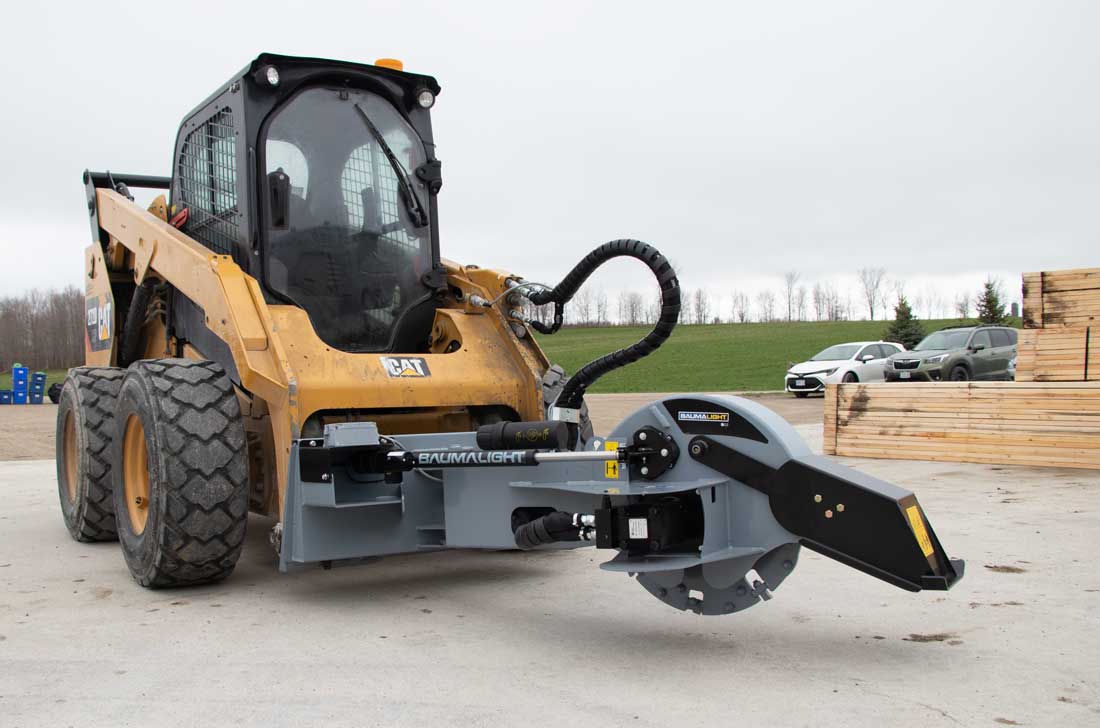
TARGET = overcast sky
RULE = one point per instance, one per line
(943, 141)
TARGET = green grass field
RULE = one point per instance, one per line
(721, 357)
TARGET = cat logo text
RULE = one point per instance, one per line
(406, 366)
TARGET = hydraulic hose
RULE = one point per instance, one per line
(131, 346)
(572, 395)
(555, 527)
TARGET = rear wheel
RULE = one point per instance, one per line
(84, 434)
(959, 374)
(181, 473)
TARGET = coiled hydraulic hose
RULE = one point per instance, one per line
(572, 395)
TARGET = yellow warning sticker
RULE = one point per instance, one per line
(611, 467)
(918, 528)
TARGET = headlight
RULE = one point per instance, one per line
(935, 359)
(425, 98)
(830, 372)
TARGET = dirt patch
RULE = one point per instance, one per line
(1002, 569)
(1005, 721)
(934, 637)
(26, 431)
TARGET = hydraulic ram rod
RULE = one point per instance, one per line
(409, 460)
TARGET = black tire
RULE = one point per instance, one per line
(553, 381)
(83, 438)
(849, 378)
(801, 395)
(185, 416)
(959, 374)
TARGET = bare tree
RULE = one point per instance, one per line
(887, 296)
(636, 308)
(800, 303)
(871, 281)
(833, 307)
(790, 280)
(765, 304)
(741, 306)
(582, 306)
(601, 308)
(821, 301)
(962, 305)
(622, 308)
(701, 306)
(685, 306)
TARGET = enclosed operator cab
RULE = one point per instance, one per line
(343, 220)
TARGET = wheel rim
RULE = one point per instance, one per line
(135, 473)
(69, 453)
(958, 375)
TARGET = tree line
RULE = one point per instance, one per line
(42, 329)
(873, 297)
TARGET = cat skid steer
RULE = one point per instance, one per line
(279, 334)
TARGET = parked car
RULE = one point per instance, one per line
(957, 355)
(857, 361)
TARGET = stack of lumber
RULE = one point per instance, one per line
(1061, 308)
(1039, 424)
(1062, 298)
(1060, 354)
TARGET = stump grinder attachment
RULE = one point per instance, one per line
(281, 335)
(705, 500)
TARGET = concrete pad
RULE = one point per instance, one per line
(500, 639)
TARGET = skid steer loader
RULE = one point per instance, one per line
(279, 334)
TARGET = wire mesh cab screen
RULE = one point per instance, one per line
(345, 247)
(207, 184)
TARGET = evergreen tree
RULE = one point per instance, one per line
(905, 328)
(991, 309)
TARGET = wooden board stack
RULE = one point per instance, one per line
(1062, 298)
(1060, 310)
(1059, 354)
(1041, 423)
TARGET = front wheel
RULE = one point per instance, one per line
(959, 374)
(801, 395)
(85, 429)
(180, 472)
(849, 378)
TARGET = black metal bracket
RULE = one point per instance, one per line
(849, 516)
